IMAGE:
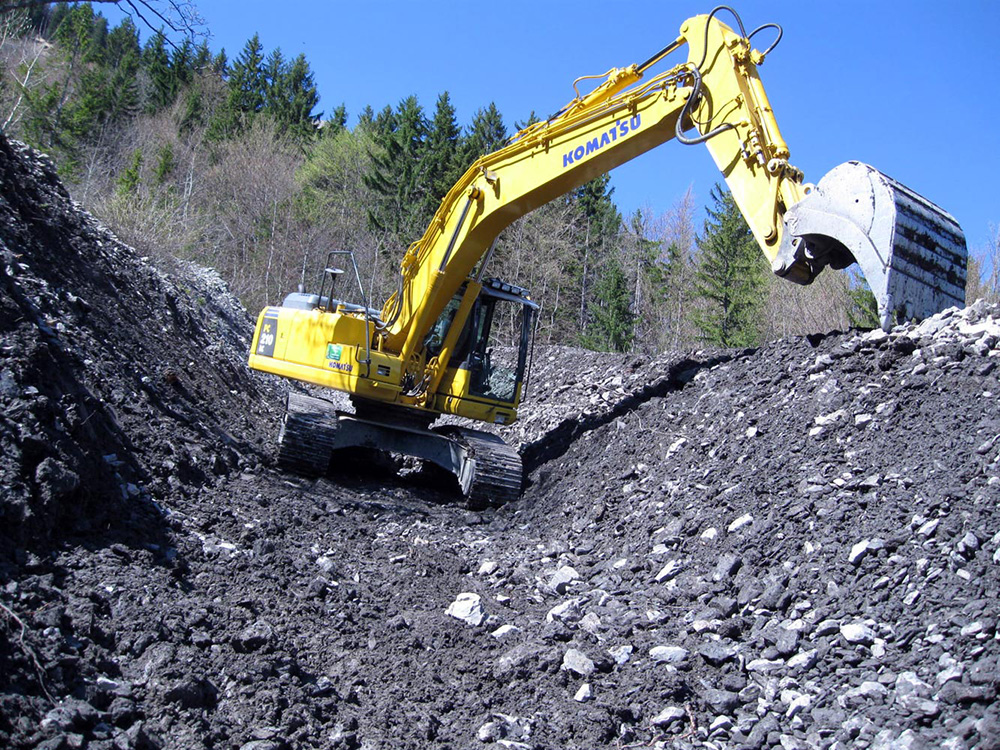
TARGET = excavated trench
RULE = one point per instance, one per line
(554, 443)
(796, 546)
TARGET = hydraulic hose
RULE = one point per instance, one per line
(696, 75)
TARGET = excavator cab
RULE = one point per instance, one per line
(488, 366)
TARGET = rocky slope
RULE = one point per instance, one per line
(791, 547)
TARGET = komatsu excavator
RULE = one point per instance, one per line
(428, 351)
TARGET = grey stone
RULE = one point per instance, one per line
(668, 654)
(721, 701)
(726, 567)
(578, 662)
(857, 632)
(866, 692)
(562, 578)
(858, 552)
(468, 608)
(787, 642)
(668, 716)
(717, 653)
(256, 636)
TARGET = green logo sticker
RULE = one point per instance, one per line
(333, 352)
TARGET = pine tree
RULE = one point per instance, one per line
(729, 278)
(612, 320)
(182, 65)
(487, 134)
(862, 310)
(337, 121)
(596, 206)
(366, 118)
(220, 64)
(441, 161)
(291, 95)
(202, 57)
(397, 171)
(246, 91)
(247, 78)
(162, 83)
(597, 236)
(128, 182)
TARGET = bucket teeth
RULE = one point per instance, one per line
(911, 252)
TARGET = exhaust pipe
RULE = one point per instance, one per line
(911, 252)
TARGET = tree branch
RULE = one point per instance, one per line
(180, 16)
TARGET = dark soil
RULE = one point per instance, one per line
(790, 547)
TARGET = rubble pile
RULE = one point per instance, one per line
(796, 546)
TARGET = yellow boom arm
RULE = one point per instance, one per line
(625, 116)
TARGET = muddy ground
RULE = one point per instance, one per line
(791, 547)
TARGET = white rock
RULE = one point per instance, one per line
(928, 528)
(577, 662)
(488, 567)
(620, 654)
(875, 336)
(803, 659)
(953, 672)
(765, 666)
(669, 715)
(866, 691)
(504, 630)
(744, 520)
(584, 694)
(676, 446)
(720, 723)
(467, 607)
(857, 632)
(668, 571)
(568, 611)
(489, 732)
(709, 534)
(562, 578)
(591, 623)
(858, 552)
(668, 654)
(825, 419)
(908, 684)
(797, 705)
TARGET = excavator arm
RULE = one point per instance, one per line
(715, 97)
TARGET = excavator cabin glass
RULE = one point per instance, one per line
(494, 344)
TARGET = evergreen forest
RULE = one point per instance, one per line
(231, 162)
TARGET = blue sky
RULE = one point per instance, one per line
(909, 87)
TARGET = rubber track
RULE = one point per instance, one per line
(305, 442)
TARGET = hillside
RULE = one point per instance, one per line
(796, 546)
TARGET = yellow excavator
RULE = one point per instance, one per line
(430, 351)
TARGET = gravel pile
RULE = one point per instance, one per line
(791, 547)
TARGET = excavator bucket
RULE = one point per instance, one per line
(912, 253)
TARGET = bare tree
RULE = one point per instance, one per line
(180, 16)
(983, 273)
(19, 55)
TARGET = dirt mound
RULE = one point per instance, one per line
(795, 546)
(104, 357)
